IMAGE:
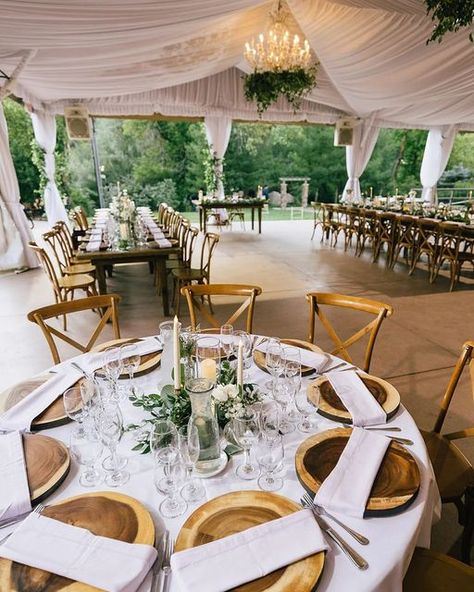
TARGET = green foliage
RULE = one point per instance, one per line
(450, 16)
(266, 87)
(213, 170)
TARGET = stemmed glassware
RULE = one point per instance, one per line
(170, 458)
(86, 447)
(113, 368)
(110, 427)
(163, 436)
(269, 418)
(188, 438)
(292, 373)
(246, 431)
(130, 360)
(227, 340)
(274, 362)
(270, 453)
(73, 405)
(282, 393)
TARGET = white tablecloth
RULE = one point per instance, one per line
(392, 539)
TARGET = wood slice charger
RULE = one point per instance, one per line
(240, 510)
(259, 356)
(54, 415)
(321, 394)
(396, 484)
(109, 514)
(148, 362)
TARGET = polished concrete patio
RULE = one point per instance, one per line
(416, 349)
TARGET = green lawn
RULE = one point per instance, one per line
(271, 214)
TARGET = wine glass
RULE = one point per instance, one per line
(73, 404)
(274, 362)
(246, 432)
(269, 418)
(130, 359)
(113, 368)
(226, 339)
(173, 505)
(86, 448)
(188, 439)
(163, 435)
(270, 454)
(282, 393)
(110, 427)
(308, 421)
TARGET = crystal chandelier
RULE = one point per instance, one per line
(278, 51)
(282, 64)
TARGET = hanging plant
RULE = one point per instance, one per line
(265, 87)
(451, 15)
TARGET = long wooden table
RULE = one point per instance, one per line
(103, 259)
(205, 206)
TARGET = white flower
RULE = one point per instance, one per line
(219, 393)
(231, 391)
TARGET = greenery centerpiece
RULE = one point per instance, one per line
(122, 208)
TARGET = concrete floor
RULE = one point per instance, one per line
(416, 348)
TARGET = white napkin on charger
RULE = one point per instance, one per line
(78, 554)
(347, 487)
(357, 398)
(89, 362)
(93, 245)
(247, 555)
(20, 416)
(14, 491)
(308, 358)
(163, 243)
(96, 232)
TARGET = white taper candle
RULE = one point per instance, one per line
(176, 355)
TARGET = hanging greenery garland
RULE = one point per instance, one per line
(451, 15)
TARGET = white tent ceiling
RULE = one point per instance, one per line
(184, 57)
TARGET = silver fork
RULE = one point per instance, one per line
(360, 538)
(38, 509)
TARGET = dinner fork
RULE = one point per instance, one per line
(38, 509)
(360, 538)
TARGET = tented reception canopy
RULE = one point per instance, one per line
(126, 57)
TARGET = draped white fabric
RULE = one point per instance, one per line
(14, 231)
(439, 144)
(358, 155)
(218, 131)
(137, 57)
(44, 127)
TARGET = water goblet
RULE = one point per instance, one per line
(308, 421)
(270, 453)
(245, 427)
(269, 418)
(86, 447)
(282, 393)
(130, 359)
(73, 404)
(113, 368)
(163, 435)
(226, 339)
(110, 428)
(274, 362)
(173, 505)
(188, 439)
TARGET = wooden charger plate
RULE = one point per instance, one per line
(259, 357)
(148, 361)
(323, 396)
(109, 514)
(54, 415)
(396, 484)
(240, 510)
(47, 464)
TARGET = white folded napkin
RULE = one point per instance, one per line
(14, 491)
(77, 554)
(91, 361)
(347, 487)
(93, 245)
(308, 358)
(96, 232)
(20, 416)
(357, 398)
(247, 555)
(158, 235)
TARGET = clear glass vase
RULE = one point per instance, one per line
(203, 417)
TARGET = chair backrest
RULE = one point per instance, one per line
(208, 246)
(379, 309)
(196, 293)
(427, 236)
(80, 218)
(52, 239)
(450, 240)
(107, 304)
(48, 266)
(190, 236)
(466, 358)
(161, 211)
(65, 239)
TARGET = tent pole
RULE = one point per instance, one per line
(98, 172)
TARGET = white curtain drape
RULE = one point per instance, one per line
(358, 155)
(439, 144)
(44, 127)
(14, 230)
(218, 135)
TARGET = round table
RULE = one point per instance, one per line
(392, 538)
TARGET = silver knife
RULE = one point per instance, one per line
(160, 545)
(166, 565)
(357, 559)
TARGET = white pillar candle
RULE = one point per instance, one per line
(240, 364)
(209, 369)
(176, 355)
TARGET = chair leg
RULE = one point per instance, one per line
(468, 531)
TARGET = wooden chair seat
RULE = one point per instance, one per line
(453, 471)
(184, 273)
(78, 281)
(79, 268)
(430, 571)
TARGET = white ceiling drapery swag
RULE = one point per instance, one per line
(358, 155)
(439, 144)
(218, 131)
(14, 231)
(44, 127)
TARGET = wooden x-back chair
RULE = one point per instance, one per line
(379, 309)
(108, 304)
(195, 295)
(454, 472)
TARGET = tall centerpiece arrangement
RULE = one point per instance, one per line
(123, 211)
